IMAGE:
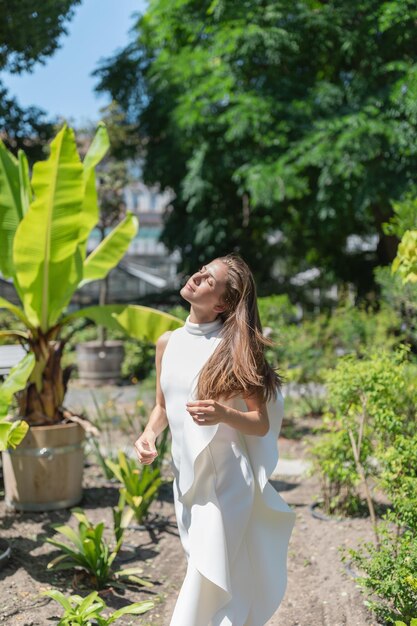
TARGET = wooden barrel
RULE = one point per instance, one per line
(99, 363)
(45, 471)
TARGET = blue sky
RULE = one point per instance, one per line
(64, 87)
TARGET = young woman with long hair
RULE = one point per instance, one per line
(222, 402)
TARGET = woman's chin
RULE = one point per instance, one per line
(185, 293)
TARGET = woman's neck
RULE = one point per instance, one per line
(202, 317)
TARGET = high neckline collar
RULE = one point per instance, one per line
(203, 329)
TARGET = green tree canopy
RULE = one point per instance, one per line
(29, 33)
(267, 116)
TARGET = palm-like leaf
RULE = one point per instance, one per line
(137, 321)
(110, 251)
(17, 312)
(133, 609)
(12, 433)
(97, 150)
(10, 208)
(26, 195)
(15, 381)
(45, 249)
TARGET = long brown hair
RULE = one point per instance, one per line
(238, 365)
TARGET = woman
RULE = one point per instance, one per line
(222, 403)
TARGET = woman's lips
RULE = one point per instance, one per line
(189, 287)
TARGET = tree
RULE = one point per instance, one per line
(268, 116)
(29, 33)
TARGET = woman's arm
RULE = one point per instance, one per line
(254, 421)
(145, 444)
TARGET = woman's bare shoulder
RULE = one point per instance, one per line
(162, 341)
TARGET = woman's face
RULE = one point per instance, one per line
(205, 289)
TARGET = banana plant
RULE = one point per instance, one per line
(45, 223)
(12, 433)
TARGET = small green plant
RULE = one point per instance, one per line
(412, 623)
(91, 553)
(87, 611)
(388, 574)
(139, 486)
(333, 462)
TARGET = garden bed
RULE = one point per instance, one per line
(320, 592)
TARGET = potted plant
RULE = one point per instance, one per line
(44, 226)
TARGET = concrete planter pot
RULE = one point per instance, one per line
(98, 363)
(45, 471)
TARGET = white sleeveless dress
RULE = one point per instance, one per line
(233, 525)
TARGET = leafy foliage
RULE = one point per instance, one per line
(139, 486)
(370, 404)
(389, 574)
(275, 116)
(402, 298)
(45, 223)
(30, 32)
(12, 433)
(90, 552)
(88, 611)
(405, 263)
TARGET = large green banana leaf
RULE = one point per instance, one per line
(12, 433)
(47, 259)
(136, 321)
(97, 150)
(109, 252)
(26, 195)
(10, 208)
(5, 304)
(145, 323)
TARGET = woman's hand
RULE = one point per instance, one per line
(207, 412)
(145, 447)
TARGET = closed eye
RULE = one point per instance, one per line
(210, 280)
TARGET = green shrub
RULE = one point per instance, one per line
(402, 298)
(139, 360)
(357, 329)
(399, 479)
(334, 464)
(389, 574)
(369, 404)
(88, 611)
(179, 311)
(389, 569)
(276, 311)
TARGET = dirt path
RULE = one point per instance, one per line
(319, 591)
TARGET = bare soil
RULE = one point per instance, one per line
(320, 591)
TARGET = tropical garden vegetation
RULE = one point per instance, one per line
(287, 132)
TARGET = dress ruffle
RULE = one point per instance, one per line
(243, 556)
